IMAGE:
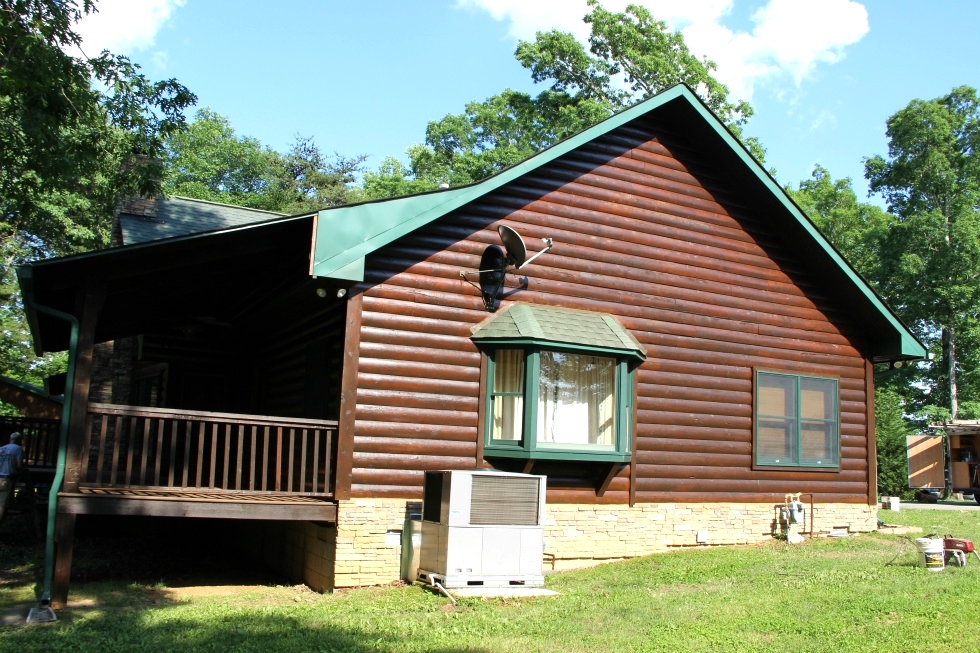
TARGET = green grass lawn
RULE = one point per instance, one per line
(823, 595)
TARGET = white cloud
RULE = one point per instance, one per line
(790, 38)
(125, 26)
(823, 118)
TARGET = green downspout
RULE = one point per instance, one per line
(59, 475)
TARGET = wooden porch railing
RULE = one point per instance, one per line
(40, 438)
(136, 447)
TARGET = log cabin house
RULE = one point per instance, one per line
(689, 351)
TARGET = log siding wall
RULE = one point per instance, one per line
(646, 230)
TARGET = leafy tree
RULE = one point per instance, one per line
(632, 46)
(930, 268)
(392, 179)
(69, 149)
(499, 132)
(891, 430)
(75, 135)
(631, 56)
(854, 228)
(210, 161)
(304, 179)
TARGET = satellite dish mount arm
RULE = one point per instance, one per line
(548, 245)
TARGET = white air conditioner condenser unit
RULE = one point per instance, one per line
(482, 528)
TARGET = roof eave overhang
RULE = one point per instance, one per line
(25, 277)
(346, 235)
(55, 283)
(892, 340)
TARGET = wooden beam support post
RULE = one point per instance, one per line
(88, 303)
(348, 396)
(87, 308)
(64, 538)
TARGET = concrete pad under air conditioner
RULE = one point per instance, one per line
(514, 591)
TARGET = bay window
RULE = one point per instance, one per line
(558, 393)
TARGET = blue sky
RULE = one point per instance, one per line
(365, 77)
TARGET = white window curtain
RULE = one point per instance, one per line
(576, 399)
(508, 409)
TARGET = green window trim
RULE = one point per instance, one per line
(529, 448)
(794, 420)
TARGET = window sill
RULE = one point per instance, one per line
(788, 468)
(552, 454)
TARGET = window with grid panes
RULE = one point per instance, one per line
(797, 421)
(558, 404)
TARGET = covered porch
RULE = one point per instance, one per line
(204, 379)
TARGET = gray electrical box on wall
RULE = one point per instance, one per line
(482, 528)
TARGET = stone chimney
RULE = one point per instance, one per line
(144, 207)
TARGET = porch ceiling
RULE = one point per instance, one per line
(214, 278)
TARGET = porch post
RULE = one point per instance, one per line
(87, 307)
(89, 302)
(64, 537)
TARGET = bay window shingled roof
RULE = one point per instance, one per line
(524, 323)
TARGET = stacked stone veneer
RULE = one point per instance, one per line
(364, 548)
(145, 207)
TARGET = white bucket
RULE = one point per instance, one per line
(894, 503)
(931, 553)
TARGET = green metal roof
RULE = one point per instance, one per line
(531, 323)
(345, 235)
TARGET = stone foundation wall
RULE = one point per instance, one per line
(369, 540)
(368, 550)
(585, 534)
(365, 547)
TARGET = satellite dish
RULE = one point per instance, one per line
(514, 244)
(494, 264)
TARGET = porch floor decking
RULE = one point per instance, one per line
(173, 502)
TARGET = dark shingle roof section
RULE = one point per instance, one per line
(523, 322)
(181, 216)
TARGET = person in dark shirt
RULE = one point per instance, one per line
(11, 460)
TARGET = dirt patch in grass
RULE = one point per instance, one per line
(198, 591)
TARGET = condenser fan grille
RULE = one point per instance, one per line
(498, 500)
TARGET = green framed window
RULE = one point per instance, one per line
(559, 384)
(797, 421)
(558, 403)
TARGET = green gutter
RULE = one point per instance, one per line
(59, 475)
(26, 277)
